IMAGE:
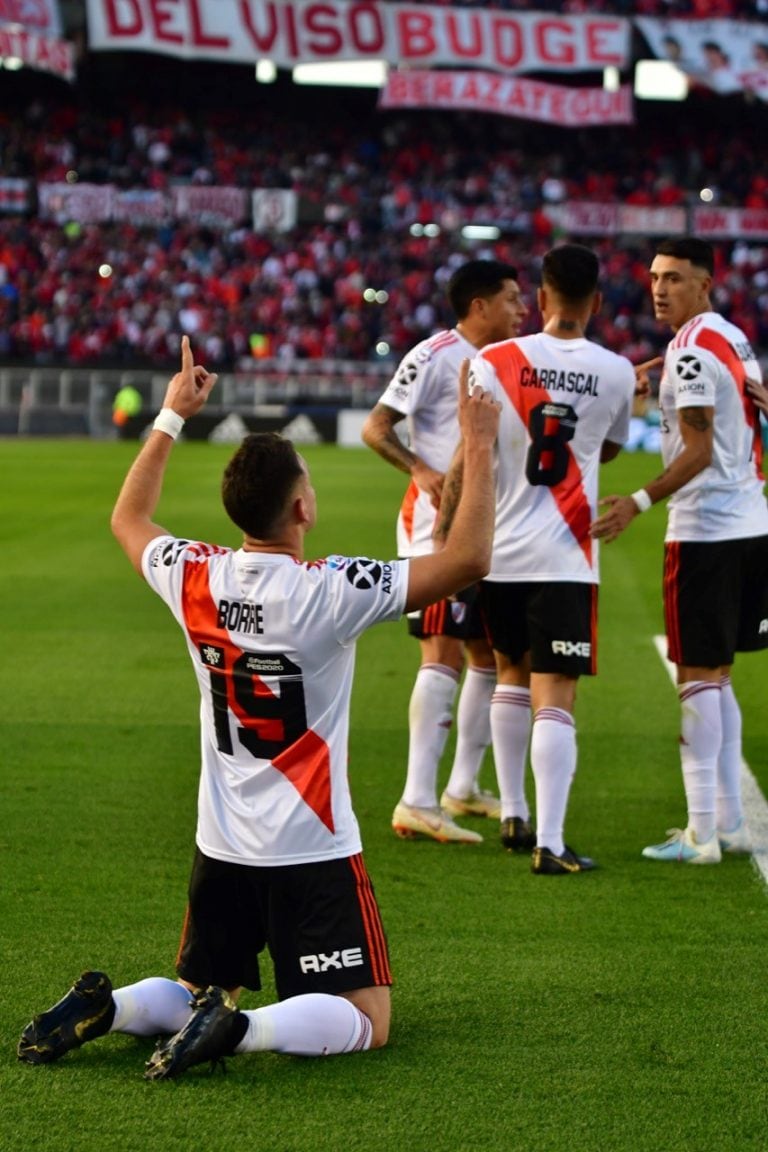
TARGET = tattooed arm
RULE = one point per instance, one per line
(379, 433)
(696, 429)
(449, 498)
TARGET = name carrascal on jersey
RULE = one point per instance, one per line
(556, 380)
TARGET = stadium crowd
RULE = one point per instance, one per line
(381, 198)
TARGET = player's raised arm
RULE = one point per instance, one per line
(132, 522)
(466, 556)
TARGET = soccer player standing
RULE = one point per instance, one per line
(716, 544)
(566, 405)
(486, 300)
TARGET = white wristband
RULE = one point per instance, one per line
(169, 422)
(642, 500)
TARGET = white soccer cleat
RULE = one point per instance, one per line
(409, 822)
(683, 847)
(479, 803)
(737, 841)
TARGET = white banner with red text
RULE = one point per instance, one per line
(279, 210)
(35, 50)
(291, 32)
(508, 96)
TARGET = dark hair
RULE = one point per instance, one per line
(477, 278)
(699, 252)
(258, 481)
(571, 270)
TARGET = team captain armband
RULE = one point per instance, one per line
(642, 500)
(169, 422)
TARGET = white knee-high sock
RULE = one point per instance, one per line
(553, 759)
(151, 1006)
(311, 1025)
(701, 736)
(511, 728)
(473, 730)
(728, 803)
(430, 716)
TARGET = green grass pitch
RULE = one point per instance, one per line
(621, 1011)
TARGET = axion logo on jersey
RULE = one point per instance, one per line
(364, 574)
(688, 368)
(407, 373)
(346, 958)
(169, 553)
(572, 648)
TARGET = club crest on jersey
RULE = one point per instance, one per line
(212, 656)
(365, 574)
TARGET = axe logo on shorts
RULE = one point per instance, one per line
(324, 961)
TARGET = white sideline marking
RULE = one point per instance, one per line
(755, 804)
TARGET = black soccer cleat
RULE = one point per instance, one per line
(212, 1032)
(87, 1011)
(545, 863)
(517, 835)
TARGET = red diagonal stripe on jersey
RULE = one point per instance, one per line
(407, 506)
(308, 767)
(717, 344)
(305, 763)
(569, 494)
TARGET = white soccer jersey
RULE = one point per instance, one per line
(424, 389)
(560, 400)
(706, 365)
(272, 644)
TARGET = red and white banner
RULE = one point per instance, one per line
(83, 203)
(508, 96)
(40, 16)
(724, 55)
(217, 206)
(584, 218)
(35, 51)
(729, 223)
(14, 194)
(302, 31)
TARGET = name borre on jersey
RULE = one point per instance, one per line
(272, 642)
